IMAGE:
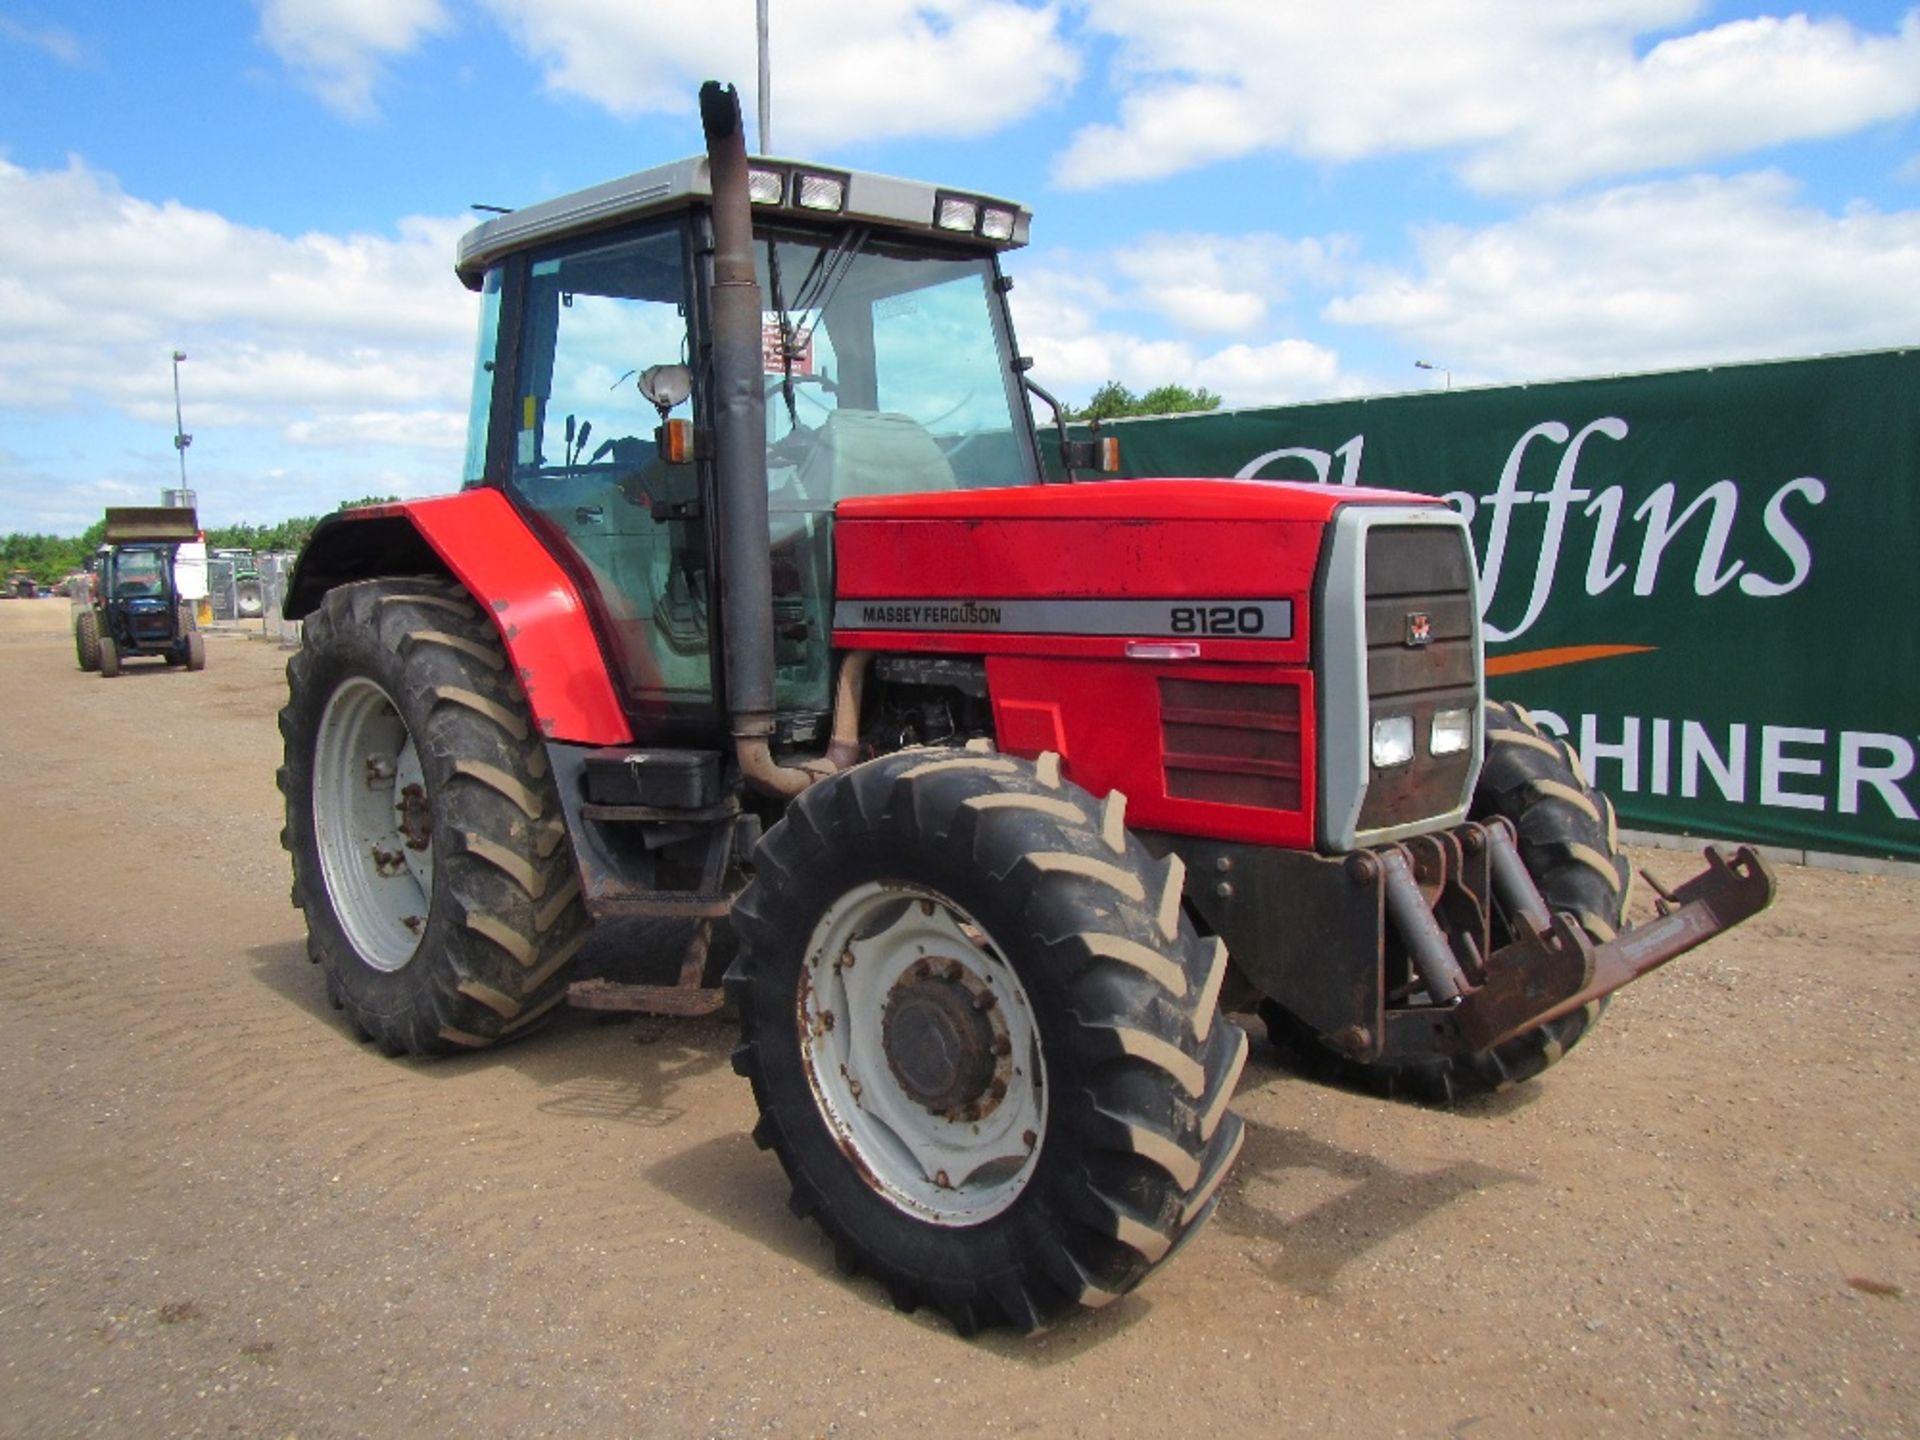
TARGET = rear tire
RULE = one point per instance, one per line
(86, 641)
(1569, 840)
(429, 852)
(1039, 1117)
(108, 655)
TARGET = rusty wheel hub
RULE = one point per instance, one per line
(939, 1041)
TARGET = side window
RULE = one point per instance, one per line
(585, 462)
(480, 405)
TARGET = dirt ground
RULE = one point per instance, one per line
(219, 1215)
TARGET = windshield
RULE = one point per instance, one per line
(140, 572)
(888, 370)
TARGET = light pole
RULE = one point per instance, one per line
(181, 440)
(1429, 365)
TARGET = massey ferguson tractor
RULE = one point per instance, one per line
(758, 604)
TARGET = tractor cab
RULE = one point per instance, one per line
(886, 361)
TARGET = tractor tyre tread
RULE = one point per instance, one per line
(1138, 1135)
(506, 917)
(86, 640)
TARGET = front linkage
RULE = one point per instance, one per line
(1459, 952)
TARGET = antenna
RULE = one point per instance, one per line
(766, 82)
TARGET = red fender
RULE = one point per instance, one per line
(481, 540)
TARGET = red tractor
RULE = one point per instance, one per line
(1008, 787)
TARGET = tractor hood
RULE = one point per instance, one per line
(1226, 564)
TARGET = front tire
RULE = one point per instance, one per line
(983, 1038)
(196, 650)
(429, 853)
(1569, 840)
(108, 655)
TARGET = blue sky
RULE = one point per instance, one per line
(1280, 201)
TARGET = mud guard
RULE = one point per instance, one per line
(479, 539)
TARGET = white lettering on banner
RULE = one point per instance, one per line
(1719, 503)
(1799, 768)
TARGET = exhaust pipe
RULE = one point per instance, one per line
(740, 464)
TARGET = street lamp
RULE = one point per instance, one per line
(181, 440)
(1429, 365)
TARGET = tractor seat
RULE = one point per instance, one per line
(866, 452)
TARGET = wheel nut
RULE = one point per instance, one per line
(1029, 1139)
(940, 1179)
(985, 1000)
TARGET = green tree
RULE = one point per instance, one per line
(1114, 401)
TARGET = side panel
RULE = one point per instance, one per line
(484, 544)
(1219, 750)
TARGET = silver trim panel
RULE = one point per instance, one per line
(1182, 619)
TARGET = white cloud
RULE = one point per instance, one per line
(1534, 96)
(1682, 272)
(889, 69)
(1213, 284)
(308, 342)
(340, 48)
(53, 40)
(1069, 312)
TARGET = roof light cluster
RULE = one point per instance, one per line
(805, 189)
(973, 217)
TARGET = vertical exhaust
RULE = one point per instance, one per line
(740, 467)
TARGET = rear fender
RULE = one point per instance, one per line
(478, 539)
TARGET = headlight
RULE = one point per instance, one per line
(766, 187)
(821, 192)
(1452, 732)
(1392, 741)
(997, 224)
(957, 213)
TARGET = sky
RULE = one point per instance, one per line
(1278, 200)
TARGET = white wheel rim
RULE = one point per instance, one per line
(373, 822)
(884, 946)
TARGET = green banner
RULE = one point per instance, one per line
(1701, 578)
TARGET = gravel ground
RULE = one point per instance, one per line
(219, 1215)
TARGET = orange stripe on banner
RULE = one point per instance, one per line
(1565, 655)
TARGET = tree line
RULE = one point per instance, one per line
(49, 557)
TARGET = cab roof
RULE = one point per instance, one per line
(911, 206)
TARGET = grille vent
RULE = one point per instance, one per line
(1231, 744)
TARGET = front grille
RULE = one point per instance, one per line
(1419, 580)
(148, 624)
(1231, 744)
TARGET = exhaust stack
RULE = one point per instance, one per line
(740, 464)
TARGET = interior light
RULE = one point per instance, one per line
(997, 224)
(1392, 741)
(957, 213)
(766, 187)
(1452, 732)
(820, 192)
